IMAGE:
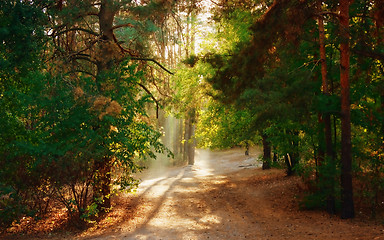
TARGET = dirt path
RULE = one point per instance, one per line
(224, 196)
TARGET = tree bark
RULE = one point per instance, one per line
(186, 138)
(293, 156)
(105, 63)
(102, 183)
(347, 208)
(180, 139)
(266, 153)
(326, 118)
(191, 144)
(288, 162)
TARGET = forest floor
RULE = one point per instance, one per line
(225, 195)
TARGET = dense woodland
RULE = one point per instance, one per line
(87, 86)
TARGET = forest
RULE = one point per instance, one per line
(92, 92)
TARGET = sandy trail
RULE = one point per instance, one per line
(175, 203)
(226, 196)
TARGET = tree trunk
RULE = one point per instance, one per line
(102, 183)
(288, 162)
(326, 118)
(180, 139)
(186, 138)
(347, 208)
(292, 157)
(175, 136)
(275, 157)
(266, 153)
(105, 63)
(191, 144)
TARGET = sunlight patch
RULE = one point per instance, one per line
(210, 219)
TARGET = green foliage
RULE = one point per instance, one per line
(60, 131)
(91, 211)
(217, 125)
(272, 72)
(222, 127)
(322, 185)
(231, 32)
(190, 87)
(21, 37)
(258, 74)
(64, 117)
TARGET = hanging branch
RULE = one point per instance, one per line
(123, 50)
(179, 25)
(154, 83)
(152, 60)
(153, 98)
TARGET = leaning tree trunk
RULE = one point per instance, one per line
(347, 208)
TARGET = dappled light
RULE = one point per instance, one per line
(230, 202)
(191, 119)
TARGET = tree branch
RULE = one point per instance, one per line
(328, 13)
(91, 14)
(122, 25)
(83, 71)
(138, 58)
(152, 60)
(85, 49)
(215, 3)
(154, 99)
(154, 83)
(369, 53)
(123, 50)
(77, 29)
(84, 57)
(178, 24)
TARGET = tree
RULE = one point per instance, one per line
(222, 127)
(307, 74)
(99, 54)
(284, 51)
(346, 145)
(80, 117)
(22, 38)
(325, 117)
